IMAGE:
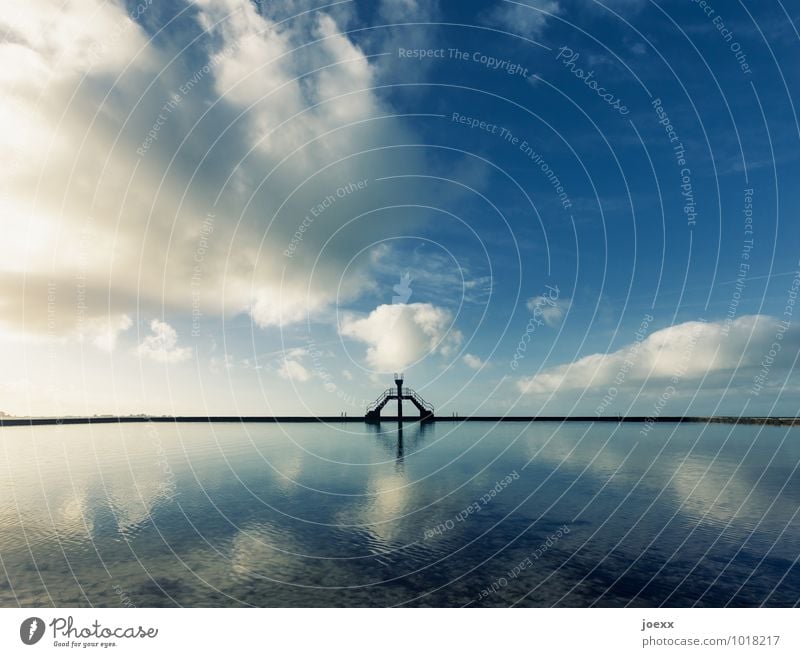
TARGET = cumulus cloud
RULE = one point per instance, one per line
(691, 349)
(527, 18)
(162, 345)
(473, 362)
(401, 334)
(165, 172)
(273, 108)
(283, 111)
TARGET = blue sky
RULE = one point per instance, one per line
(558, 206)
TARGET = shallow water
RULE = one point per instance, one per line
(315, 515)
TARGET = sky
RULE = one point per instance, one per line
(534, 207)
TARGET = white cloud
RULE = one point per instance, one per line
(405, 10)
(57, 65)
(217, 363)
(401, 334)
(692, 349)
(550, 310)
(103, 333)
(284, 111)
(67, 37)
(274, 117)
(162, 345)
(294, 371)
(473, 362)
(527, 18)
(279, 307)
(428, 273)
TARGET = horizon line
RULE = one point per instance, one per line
(11, 421)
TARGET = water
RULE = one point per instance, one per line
(308, 515)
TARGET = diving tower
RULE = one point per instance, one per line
(399, 393)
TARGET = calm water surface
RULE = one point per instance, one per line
(449, 515)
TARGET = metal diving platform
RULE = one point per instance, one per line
(399, 393)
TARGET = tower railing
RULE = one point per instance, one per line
(380, 402)
(407, 393)
(413, 394)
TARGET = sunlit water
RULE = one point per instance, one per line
(308, 515)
